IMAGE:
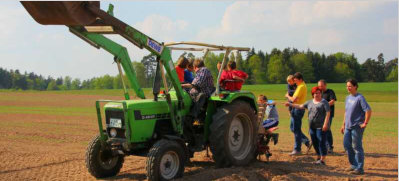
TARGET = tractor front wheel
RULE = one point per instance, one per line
(233, 134)
(165, 160)
(100, 161)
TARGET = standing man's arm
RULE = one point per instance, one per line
(333, 98)
(366, 108)
(331, 102)
(367, 119)
(343, 125)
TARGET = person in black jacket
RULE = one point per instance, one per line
(329, 96)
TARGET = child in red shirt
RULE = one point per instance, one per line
(181, 65)
(232, 79)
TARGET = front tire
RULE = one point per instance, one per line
(165, 161)
(99, 160)
(233, 134)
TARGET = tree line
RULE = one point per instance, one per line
(261, 67)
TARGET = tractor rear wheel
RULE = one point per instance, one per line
(100, 161)
(233, 134)
(165, 160)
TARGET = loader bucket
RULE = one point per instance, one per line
(68, 13)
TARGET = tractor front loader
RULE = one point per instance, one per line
(154, 127)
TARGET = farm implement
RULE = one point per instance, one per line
(155, 127)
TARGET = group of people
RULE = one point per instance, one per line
(320, 109)
(201, 86)
(320, 116)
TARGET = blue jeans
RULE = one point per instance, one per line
(353, 145)
(296, 125)
(318, 137)
(329, 136)
(270, 123)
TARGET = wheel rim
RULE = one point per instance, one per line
(106, 160)
(170, 164)
(240, 136)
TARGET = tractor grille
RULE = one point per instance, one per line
(115, 114)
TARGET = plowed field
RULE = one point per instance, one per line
(44, 135)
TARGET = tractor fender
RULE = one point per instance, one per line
(245, 96)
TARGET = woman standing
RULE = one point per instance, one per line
(318, 115)
(356, 118)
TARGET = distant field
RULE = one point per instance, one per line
(374, 92)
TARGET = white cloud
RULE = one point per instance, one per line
(162, 27)
(308, 23)
(245, 19)
(312, 12)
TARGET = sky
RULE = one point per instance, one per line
(364, 28)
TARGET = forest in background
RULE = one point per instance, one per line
(262, 68)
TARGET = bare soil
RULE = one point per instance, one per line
(52, 147)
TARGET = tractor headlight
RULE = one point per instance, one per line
(112, 132)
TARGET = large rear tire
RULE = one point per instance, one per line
(233, 134)
(165, 161)
(99, 160)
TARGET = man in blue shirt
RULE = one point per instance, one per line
(356, 118)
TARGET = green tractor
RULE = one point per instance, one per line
(155, 127)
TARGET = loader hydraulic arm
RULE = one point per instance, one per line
(120, 52)
(142, 41)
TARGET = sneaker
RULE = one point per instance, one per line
(293, 153)
(357, 172)
(275, 138)
(331, 150)
(349, 169)
(320, 162)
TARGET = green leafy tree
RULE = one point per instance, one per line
(389, 66)
(351, 61)
(5, 79)
(140, 73)
(393, 75)
(88, 84)
(67, 82)
(374, 71)
(116, 82)
(52, 85)
(343, 72)
(276, 70)
(211, 61)
(256, 76)
(302, 64)
(75, 85)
